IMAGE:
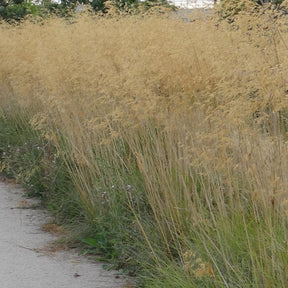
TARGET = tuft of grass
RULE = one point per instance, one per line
(164, 140)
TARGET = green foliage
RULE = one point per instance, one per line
(275, 2)
(17, 10)
(101, 244)
(34, 162)
(98, 5)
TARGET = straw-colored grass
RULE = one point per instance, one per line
(180, 122)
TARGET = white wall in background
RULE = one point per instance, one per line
(190, 4)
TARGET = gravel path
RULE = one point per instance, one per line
(23, 264)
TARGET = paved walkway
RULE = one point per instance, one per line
(24, 265)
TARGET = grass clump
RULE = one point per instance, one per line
(169, 137)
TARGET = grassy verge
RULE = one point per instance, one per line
(162, 141)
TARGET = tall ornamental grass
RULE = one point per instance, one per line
(173, 133)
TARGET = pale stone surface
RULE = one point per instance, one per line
(193, 4)
(21, 263)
